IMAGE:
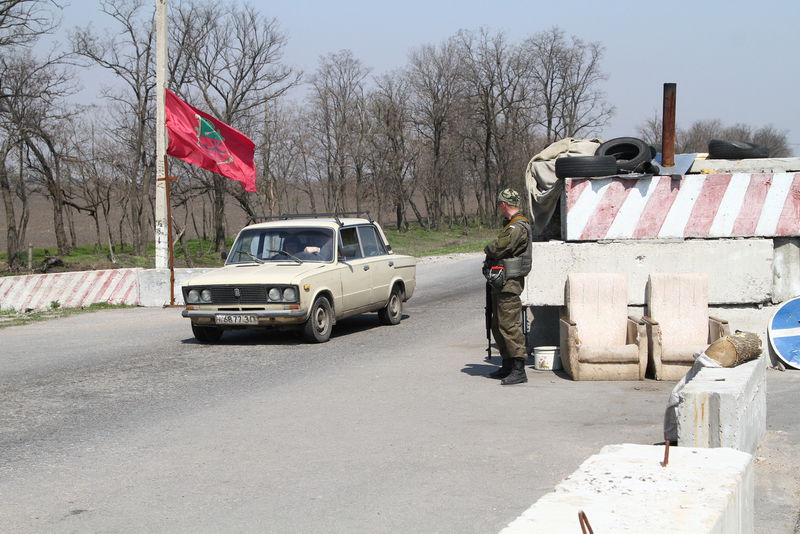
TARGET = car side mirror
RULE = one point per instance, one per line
(224, 255)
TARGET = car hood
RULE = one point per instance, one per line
(254, 273)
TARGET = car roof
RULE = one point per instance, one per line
(322, 222)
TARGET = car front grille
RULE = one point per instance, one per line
(247, 294)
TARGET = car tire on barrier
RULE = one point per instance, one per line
(718, 149)
(629, 152)
(585, 166)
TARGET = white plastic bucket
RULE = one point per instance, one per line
(546, 358)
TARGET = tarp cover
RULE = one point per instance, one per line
(544, 188)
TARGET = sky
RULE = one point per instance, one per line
(736, 60)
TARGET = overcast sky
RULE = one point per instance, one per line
(732, 60)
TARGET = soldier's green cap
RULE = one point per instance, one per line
(509, 196)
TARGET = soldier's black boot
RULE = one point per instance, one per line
(517, 375)
(504, 371)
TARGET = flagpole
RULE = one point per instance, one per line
(163, 226)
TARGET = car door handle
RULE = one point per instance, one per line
(391, 264)
(366, 267)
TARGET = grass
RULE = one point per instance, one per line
(17, 318)
(414, 242)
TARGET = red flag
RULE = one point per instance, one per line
(200, 139)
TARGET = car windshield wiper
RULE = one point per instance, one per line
(256, 258)
(292, 256)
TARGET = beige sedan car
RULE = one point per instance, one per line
(304, 273)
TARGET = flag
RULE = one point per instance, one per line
(198, 138)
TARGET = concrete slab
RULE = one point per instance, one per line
(769, 165)
(154, 285)
(625, 489)
(725, 407)
(740, 271)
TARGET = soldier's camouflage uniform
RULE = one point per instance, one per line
(506, 304)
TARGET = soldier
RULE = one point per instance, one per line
(508, 260)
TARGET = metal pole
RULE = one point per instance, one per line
(167, 181)
(163, 224)
(668, 126)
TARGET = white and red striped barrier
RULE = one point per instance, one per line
(695, 205)
(70, 290)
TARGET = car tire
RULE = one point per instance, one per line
(718, 149)
(207, 334)
(393, 312)
(629, 152)
(585, 166)
(320, 322)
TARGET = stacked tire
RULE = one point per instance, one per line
(620, 155)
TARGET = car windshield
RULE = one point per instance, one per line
(297, 245)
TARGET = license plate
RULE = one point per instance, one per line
(226, 318)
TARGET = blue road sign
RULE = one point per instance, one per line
(784, 332)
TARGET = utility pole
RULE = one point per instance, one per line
(163, 224)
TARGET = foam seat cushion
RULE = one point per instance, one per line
(609, 354)
(598, 305)
(679, 302)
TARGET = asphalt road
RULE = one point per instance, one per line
(118, 421)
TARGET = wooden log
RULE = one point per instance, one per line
(733, 349)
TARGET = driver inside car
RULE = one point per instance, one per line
(297, 248)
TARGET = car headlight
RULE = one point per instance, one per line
(205, 295)
(193, 296)
(274, 294)
(289, 294)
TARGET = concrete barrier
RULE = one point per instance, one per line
(747, 265)
(137, 287)
(625, 489)
(69, 290)
(154, 285)
(725, 407)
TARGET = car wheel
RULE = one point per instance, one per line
(629, 152)
(585, 166)
(393, 311)
(718, 149)
(207, 334)
(319, 324)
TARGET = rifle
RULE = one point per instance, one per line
(487, 313)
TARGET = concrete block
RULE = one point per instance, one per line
(154, 285)
(740, 271)
(786, 284)
(69, 289)
(625, 489)
(725, 407)
(758, 165)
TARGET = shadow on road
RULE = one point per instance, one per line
(291, 336)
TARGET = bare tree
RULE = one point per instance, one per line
(566, 78)
(437, 87)
(130, 55)
(236, 71)
(33, 116)
(392, 150)
(695, 138)
(337, 103)
(22, 22)
(496, 74)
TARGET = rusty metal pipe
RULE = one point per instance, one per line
(586, 528)
(668, 126)
(666, 454)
